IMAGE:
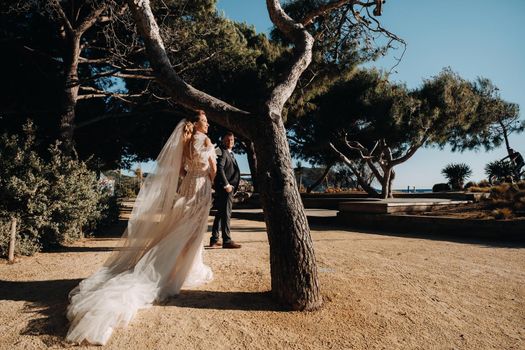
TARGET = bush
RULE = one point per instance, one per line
(73, 198)
(456, 174)
(109, 208)
(499, 171)
(501, 214)
(470, 184)
(127, 187)
(484, 183)
(479, 189)
(55, 201)
(508, 199)
(441, 187)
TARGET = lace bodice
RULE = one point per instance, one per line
(197, 161)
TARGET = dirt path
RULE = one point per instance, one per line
(380, 292)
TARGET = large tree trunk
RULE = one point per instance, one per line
(292, 259)
(70, 95)
(385, 183)
(365, 186)
(313, 186)
(390, 182)
(361, 181)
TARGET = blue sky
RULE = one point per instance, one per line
(473, 37)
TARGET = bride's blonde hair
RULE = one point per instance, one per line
(189, 130)
(189, 126)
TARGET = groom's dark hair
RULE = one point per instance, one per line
(227, 133)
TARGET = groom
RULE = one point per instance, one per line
(226, 183)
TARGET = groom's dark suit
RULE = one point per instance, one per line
(227, 174)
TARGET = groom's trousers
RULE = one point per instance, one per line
(223, 203)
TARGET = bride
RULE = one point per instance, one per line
(162, 246)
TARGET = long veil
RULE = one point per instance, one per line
(152, 205)
(142, 271)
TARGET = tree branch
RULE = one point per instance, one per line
(91, 19)
(365, 155)
(128, 115)
(350, 164)
(101, 93)
(63, 18)
(410, 152)
(333, 5)
(363, 152)
(303, 42)
(180, 91)
(134, 76)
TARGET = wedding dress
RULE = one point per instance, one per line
(162, 247)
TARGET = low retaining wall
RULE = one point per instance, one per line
(310, 201)
(332, 200)
(459, 196)
(513, 230)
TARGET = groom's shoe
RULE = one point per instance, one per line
(215, 245)
(231, 245)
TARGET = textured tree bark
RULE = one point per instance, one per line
(392, 177)
(385, 182)
(72, 32)
(292, 259)
(70, 95)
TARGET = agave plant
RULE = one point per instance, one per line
(498, 171)
(456, 174)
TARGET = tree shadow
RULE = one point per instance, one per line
(452, 236)
(77, 249)
(250, 229)
(47, 301)
(114, 231)
(217, 300)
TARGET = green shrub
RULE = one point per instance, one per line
(510, 197)
(484, 183)
(127, 187)
(499, 171)
(441, 187)
(109, 208)
(55, 201)
(456, 174)
(23, 189)
(502, 213)
(470, 184)
(73, 197)
(479, 189)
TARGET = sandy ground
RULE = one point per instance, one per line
(380, 292)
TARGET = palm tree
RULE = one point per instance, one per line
(498, 171)
(456, 174)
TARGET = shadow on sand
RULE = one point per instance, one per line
(455, 237)
(47, 301)
(216, 300)
(332, 224)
